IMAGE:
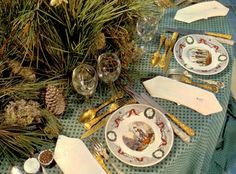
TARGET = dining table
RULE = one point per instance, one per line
(184, 158)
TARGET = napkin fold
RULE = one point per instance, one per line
(73, 157)
(193, 97)
(202, 10)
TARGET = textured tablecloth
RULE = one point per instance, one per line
(193, 158)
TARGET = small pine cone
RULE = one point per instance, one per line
(55, 101)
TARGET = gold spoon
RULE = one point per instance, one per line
(113, 107)
(163, 57)
(157, 55)
(92, 122)
(91, 113)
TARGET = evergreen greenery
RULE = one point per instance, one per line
(41, 44)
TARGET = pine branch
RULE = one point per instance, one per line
(18, 142)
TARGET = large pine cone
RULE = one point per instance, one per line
(55, 100)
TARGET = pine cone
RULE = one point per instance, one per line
(55, 100)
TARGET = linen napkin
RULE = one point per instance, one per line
(73, 157)
(202, 10)
(193, 97)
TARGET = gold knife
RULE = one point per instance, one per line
(192, 31)
(177, 121)
(170, 51)
(95, 128)
(103, 122)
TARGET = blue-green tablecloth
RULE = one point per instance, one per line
(192, 158)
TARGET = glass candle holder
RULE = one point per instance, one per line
(147, 27)
(108, 67)
(85, 80)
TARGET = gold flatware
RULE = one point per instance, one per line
(185, 79)
(91, 113)
(100, 160)
(170, 51)
(95, 128)
(221, 35)
(177, 121)
(114, 106)
(192, 31)
(209, 87)
(144, 99)
(182, 125)
(157, 55)
(180, 71)
(209, 81)
(92, 122)
(180, 133)
(163, 57)
(101, 123)
(98, 147)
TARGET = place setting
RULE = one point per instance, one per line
(201, 55)
(112, 87)
(139, 135)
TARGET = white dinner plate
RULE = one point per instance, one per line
(187, 52)
(139, 135)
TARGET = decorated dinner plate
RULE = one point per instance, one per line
(139, 135)
(201, 55)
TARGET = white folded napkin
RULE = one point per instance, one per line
(73, 157)
(193, 97)
(201, 10)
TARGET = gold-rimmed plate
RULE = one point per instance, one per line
(139, 135)
(187, 52)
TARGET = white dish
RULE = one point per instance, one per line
(139, 135)
(184, 54)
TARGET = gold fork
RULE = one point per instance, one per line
(113, 107)
(100, 160)
(98, 147)
(163, 57)
(91, 113)
(157, 55)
